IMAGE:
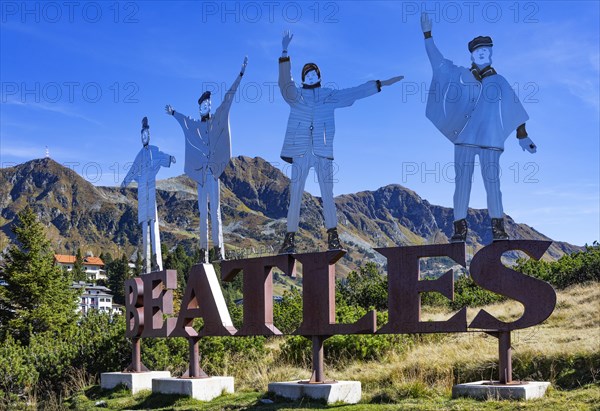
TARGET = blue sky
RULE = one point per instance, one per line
(79, 76)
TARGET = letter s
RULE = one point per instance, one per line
(537, 296)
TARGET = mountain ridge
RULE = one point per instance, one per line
(254, 201)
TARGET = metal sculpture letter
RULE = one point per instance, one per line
(207, 153)
(309, 137)
(143, 170)
(476, 109)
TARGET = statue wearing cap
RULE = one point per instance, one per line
(207, 153)
(146, 165)
(476, 109)
(309, 137)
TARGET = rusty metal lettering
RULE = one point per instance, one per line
(318, 298)
(134, 307)
(537, 296)
(405, 288)
(258, 290)
(158, 301)
(150, 298)
(204, 299)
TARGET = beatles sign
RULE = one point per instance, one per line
(149, 298)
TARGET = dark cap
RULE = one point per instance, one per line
(480, 41)
(204, 96)
(145, 123)
(310, 67)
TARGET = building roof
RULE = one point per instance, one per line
(88, 294)
(93, 261)
(64, 259)
(70, 259)
(89, 287)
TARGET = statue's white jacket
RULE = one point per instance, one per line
(208, 143)
(311, 124)
(467, 111)
(143, 170)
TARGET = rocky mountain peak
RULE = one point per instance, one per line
(254, 206)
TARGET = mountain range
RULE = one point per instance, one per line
(254, 199)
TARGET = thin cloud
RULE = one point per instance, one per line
(573, 57)
(54, 108)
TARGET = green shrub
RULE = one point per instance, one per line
(17, 373)
(365, 288)
(342, 348)
(287, 314)
(469, 294)
(570, 269)
(97, 345)
(564, 370)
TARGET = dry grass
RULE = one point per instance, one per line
(420, 377)
(431, 368)
(574, 326)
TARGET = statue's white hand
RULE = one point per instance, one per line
(244, 64)
(391, 81)
(527, 144)
(287, 38)
(425, 22)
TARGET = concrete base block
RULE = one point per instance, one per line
(203, 389)
(493, 390)
(348, 392)
(136, 381)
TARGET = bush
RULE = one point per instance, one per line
(564, 370)
(570, 269)
(219, 352)
(469, 294)
(341, 348)
(216, 353)
(55, 356)
(17, 373)
(366, 288)
(287, 314)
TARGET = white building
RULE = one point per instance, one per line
(93, 266)
(95, 297)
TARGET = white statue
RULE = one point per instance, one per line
(143, 170)
(476, 109)
(207, 153)
(309, 137)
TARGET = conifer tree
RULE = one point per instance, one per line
(78, 270)
(118, 272)
(139, 265)
(38, 296)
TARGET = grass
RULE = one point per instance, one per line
(585, 398)
(563, 350)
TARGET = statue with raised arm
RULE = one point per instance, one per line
(207, 153)
(143, 170)
(476, 109)
(309, 137)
